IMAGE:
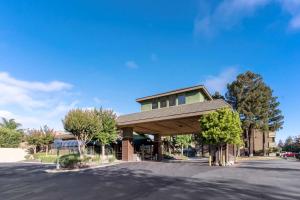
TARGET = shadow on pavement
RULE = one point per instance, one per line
(119, 182)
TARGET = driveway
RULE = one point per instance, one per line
(273, 179)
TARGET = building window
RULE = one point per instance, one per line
(163, 103)
(172, 101)
(273, 139)
(181, 99)
(154, 104)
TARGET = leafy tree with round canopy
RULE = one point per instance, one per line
(183, 141)
(108, 131)
(84, 125)
(42, 137)
(34, 139)
(9, 138)
(221, 127)
(47, 137)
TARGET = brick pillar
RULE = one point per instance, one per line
(127, 144)
(157, 147)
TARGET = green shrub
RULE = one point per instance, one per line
(86, 159)
(9, 138)
(48, 159)
(96, 158)
(168, 156)
(45, 158)
(70, 161)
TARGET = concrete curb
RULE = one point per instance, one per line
(82, 169)
(36, 162)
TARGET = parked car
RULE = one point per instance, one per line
(289, 154)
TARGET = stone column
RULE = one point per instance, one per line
(158, 147)
(127, 144)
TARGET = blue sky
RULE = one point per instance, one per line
(58, 55)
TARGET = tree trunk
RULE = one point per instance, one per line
(234, 152)
(221, 155)
(248, 143)
(181, 150)
(251, 141)
(34, 150)
(217, 155)
(227, 154)
(47, 147)
(264, 143)
(102, 152)
(79, 150)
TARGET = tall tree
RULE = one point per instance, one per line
(280, 144)
(273, 119)
(221, 127)
(249, 95)
(10, 124)
(217, 95)
(108, 131)
(289, 141)
(275, 115)
(83, 124)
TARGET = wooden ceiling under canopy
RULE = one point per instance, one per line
(169, 127)
(183, 119)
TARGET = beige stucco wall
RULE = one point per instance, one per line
(12, 154)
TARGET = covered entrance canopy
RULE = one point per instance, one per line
(183, 119)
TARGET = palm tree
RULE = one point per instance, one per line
(10, 124)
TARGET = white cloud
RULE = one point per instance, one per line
(5, 78)
(226, 14)
(293, 8)
(34, 103)
(219, 83)
(14, 95)
(25, 93)
(131, 64)
(229, 13)
(26, 121)
(61, 109)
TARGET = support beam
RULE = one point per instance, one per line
(127, 144)
(158, 147)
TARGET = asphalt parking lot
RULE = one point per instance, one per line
(273, 179)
